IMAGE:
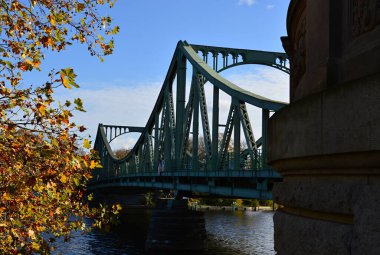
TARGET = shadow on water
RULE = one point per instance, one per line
(228, 233)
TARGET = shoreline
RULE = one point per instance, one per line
(230, 208)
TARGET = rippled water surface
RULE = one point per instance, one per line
(229, 233)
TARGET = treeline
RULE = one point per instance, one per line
(230, 201)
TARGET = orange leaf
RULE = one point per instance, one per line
(41, 109)
(63, 179)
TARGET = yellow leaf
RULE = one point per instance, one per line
(6, 196)
(92, 164)
(86, 144)
(63, 178)
(52, 21)
(35, 246)
(41, 109)
(65, 81)
(41, 228)
(54, 142)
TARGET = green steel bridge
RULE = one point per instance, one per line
(168, 154)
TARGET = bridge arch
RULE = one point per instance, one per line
(232, 57)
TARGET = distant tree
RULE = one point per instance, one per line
(42, 173)
(121, 153)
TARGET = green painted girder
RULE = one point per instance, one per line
(225, 85)
(204, 115)
(277, 60)
(114, 131)
(226, 138)
(223, 191)
(187, 123)
(175, 181)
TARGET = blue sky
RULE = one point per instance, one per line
(123, 89)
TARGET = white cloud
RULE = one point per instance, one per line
(115, 105)
(247, 2)
(270, 6)
(266, 82)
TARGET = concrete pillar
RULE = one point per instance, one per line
(326, 143)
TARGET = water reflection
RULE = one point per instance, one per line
(229, 233)
(244, 232)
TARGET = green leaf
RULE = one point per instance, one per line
(79, 104)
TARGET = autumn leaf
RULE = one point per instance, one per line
(95, 164)
(41, 109)
(86, 144)
(68, 78)
(79, 7)
(76, 181)
(65, 81)
(63, 178)
(36, 246)
(44, 176)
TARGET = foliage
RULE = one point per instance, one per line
(121, 153)
(107, 217)
(266, 202)
(149, 199)
(216, 201)
(228, 201)
(43, 172)
(239, 202)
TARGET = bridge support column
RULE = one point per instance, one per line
(326, 143)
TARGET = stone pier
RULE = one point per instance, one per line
(326, 143)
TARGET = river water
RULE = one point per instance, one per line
(229, 233)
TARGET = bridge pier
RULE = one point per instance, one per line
(326, 143)
(175, 228)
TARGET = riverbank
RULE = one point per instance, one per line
(230, 208)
